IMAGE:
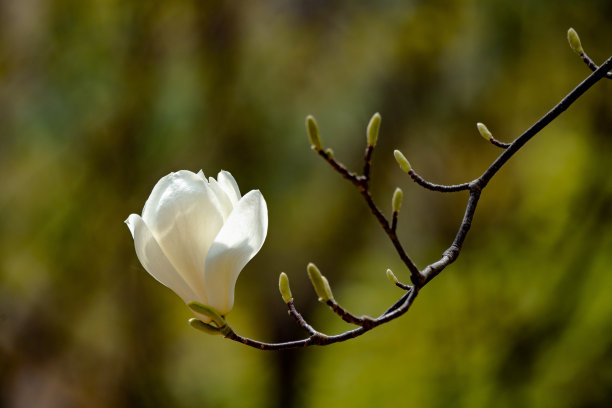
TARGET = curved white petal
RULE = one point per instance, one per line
(225, 204)
(239, 240)
(229, 185)
(154, 261)
(182, 214)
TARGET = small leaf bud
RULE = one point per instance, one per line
(329, 152)
(313, 133)
(392, 276)
(208, 312)
(373, 128)
(402, 161)
(206, 328)
(283, 285)
(484, 132)
(320, 283)
(397, 199)
(574, 41)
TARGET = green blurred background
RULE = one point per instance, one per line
(100, 99)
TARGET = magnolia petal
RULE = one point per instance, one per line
(225, 204)
(238, 241)
(229, 185)
(183, 216)
(154, 261)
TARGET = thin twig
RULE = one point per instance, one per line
(345, 315)
(591, 64)
(367, 163)
(300, 320)
(361, 183)
(394, 218)
(403, 285)
(322, 340)
(437, 187)
(497, 143)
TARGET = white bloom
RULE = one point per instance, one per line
(195, 235)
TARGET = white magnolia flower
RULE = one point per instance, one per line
(195, 235)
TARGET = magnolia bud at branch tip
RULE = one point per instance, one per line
(283, 285)
(484, 132)
(320, 283)
(397, 199)
(373, 128)
(313, 133)
(574, 41)
(402, 161)
(392, 276)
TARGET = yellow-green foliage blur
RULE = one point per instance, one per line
(99, 99)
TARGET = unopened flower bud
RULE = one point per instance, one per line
(402, 161)
(392, 276)
(206, 328)
(373, 128)
(397, 199)
(320, 283)
(285, 290)
(313, 133)
(208, 312)
(574, 41)
(484, 132)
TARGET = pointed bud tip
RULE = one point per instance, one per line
(392, 276)
(319, 283)
(397, 199)
(373, 129)
(283, 285)
(484, 132)
(313, 133)
(574, 41)
(402, 161)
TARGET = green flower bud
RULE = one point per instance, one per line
(392, 276)
(206, 328)
(397, 199)
(320, 283)
(484, 132)
(574, 41)
(208, 312)
(313, 133)
(402, 161)
(285, 290)
(373, 128)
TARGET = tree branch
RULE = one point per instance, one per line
(418, 277)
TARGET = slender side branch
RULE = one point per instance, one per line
(361, 182)
(364, 321)
(497, 143)
(437, 187)
(399, 308)
(300, 320)
(589, 63)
